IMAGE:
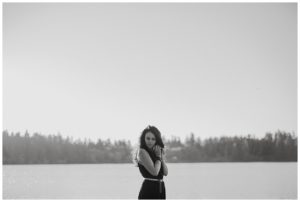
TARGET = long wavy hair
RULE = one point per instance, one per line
(142, 142)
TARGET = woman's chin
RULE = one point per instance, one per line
(150, 147)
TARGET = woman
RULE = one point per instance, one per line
(150, 159)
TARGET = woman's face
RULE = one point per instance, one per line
(150, 140)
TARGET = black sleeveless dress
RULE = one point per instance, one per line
(152, 189)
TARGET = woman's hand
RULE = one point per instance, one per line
(157, 150)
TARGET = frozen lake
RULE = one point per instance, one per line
(123, 181)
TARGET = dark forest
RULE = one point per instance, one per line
(54, 149)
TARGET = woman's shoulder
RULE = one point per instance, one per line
(142, 153)
(142, 150)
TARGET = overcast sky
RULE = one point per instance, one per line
(102, 70)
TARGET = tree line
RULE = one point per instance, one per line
(54, 149)
(281, 146)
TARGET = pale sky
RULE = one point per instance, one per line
(107, 70)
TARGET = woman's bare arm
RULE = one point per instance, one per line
(165, 168)
(163, 163)
(145, 160)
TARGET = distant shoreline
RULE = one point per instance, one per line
(168, 163)
(54, 149)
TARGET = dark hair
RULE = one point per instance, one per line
(155, 132)
(142, 142)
